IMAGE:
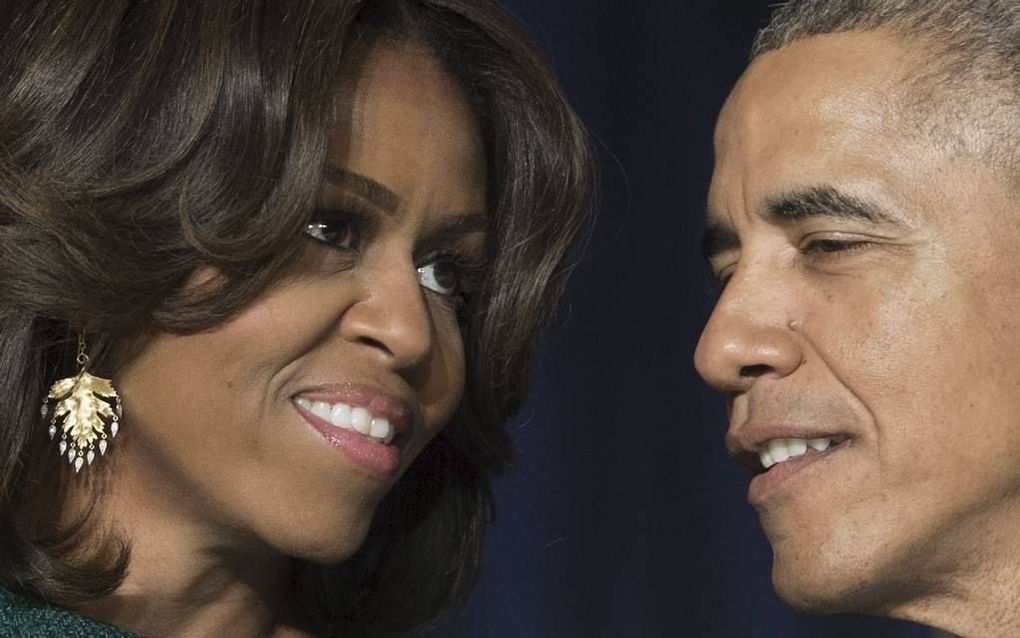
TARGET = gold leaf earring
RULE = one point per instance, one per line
(85, 406)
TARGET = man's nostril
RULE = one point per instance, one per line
(755, 370)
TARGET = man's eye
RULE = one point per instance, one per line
(338, 229)
(722, 274)
(723, 277)
(834, 245)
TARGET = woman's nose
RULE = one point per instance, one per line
(392, 316)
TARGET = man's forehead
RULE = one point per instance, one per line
(815, 116)
(882, 82)
(843, 81)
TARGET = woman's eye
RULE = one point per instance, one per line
(443, 276)
(337, 229)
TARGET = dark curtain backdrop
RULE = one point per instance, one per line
(623, 516)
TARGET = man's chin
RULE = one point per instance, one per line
(820, 586)
(806, 599)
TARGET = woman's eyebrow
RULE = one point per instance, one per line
(384, 198)
(364, 187)
(464, 224)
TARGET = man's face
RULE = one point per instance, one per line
(872, 296)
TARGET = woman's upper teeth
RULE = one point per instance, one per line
(779, 450)
(344, 416)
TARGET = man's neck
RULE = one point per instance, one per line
(976, 592)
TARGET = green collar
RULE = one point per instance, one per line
(28, 617)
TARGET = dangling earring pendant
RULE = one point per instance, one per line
(85, 406)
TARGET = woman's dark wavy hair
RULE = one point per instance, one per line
(143, 139)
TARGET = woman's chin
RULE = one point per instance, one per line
(325, 541)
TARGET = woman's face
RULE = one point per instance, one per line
(257, 428)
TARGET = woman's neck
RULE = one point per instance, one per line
(187, 576)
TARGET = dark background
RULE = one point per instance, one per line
(623, 516)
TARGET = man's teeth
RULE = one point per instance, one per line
(343, 416)
(779, 450)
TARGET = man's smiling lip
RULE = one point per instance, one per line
(753, 437)
(771, 483)
(746, 442)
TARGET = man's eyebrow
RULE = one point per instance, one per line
(825, 201)
(364, 187)
(797, 205)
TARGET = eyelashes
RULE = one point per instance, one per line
(834, 246)
(451, 275)
(343, 230)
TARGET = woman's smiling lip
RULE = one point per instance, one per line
(382, 405)
(376, 457)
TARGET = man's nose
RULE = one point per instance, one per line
(751, 334)
(392, 317)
